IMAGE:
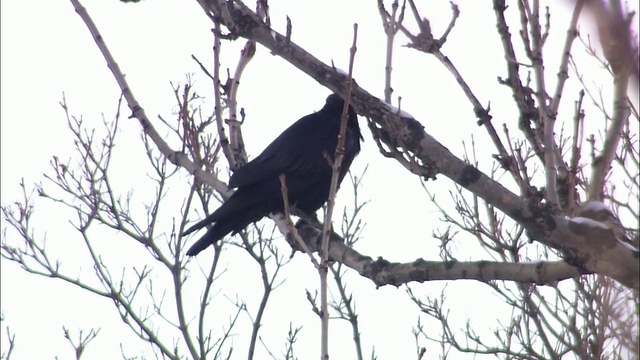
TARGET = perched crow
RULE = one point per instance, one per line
(298, 153)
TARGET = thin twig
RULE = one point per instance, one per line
(391, 24)
(563, 74)
(235, 130)
(337, 164)
(217, 84)
(578, 127)
(292, 229)
(534, 44)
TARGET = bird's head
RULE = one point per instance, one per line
(335, 104)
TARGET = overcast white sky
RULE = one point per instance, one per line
(47, 51)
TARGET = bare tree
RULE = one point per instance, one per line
(563, 257)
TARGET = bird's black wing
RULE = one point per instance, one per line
(295, 151)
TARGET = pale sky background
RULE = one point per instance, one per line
(46, 50)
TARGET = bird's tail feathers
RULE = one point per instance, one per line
(200, 224)
(234, 215)
(214, 234)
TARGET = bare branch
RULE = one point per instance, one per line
(391, 24)
(521, 93)
(80, 345)
(138, 112)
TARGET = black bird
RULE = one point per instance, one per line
(298, 153)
